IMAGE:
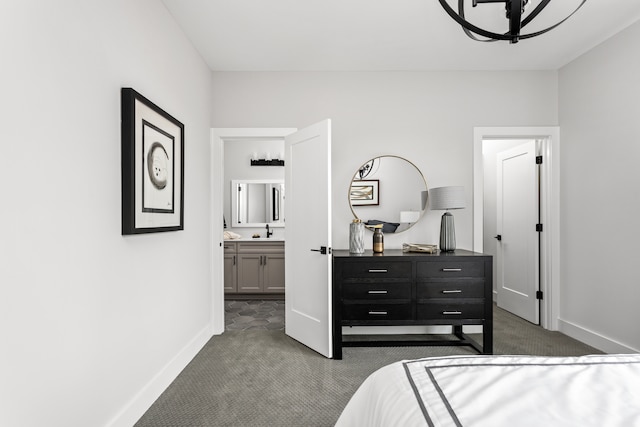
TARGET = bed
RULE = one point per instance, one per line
(597, 390)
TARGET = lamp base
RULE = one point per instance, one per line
(447, 233)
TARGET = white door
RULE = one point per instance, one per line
(517, 216)
(308, 229)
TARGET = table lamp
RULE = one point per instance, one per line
(447, 198)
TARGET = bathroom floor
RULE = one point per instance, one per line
(253, 314)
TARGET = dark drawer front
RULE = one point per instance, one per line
(376, 311)
(451, 310)
(376, 291)
(451, 268)
(447, 288)
(376, 270)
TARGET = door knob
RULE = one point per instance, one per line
(499, 237)
(323, 250)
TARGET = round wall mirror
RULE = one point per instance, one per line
(388, 190)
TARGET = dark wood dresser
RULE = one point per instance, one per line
(398, 289)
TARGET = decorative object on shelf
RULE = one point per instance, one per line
(515, 13)
(152, 167)
(378, 239)
(365, 193)
(419, 247)
(409, 217)
(447, 198)
(356, 237)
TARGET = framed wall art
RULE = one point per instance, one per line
(365, 192)
(152, 167)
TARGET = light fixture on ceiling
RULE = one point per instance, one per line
(515, 11)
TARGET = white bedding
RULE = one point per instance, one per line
(493, 391)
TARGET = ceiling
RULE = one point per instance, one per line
(386, 35)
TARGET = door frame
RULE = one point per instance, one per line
(218, 137)
(549, 209)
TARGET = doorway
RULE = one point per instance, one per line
(549, 207)
(220, 137)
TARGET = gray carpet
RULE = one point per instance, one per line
(264, 378)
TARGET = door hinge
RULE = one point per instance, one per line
(538, 160)
(539, 227)
(539, 295)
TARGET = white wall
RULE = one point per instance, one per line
(426, 117)
(93, 324)
(599, 112)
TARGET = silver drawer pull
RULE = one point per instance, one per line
(377, 292)
(453, 291)
(449, 270)
(384, 313)
(447, 313)
(377, 271)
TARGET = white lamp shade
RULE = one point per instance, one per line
(445, 198)
(409, 216)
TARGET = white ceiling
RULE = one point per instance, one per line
(383, 35)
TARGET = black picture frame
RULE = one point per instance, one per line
(365, 192)
(152, 167)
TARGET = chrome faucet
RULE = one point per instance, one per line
(269, 233)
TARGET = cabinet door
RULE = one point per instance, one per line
(273, 271)
(250, 273)
(230, 274)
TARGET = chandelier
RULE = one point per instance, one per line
(515, 11)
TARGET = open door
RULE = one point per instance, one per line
(308, 237)
(518, 247)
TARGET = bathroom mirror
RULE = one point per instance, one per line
(256, 203)
(388, 190)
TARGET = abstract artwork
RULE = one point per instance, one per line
(152, 167)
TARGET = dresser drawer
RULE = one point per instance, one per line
(229, 247)
(377, 270)
(376, 312)
(451, 310)
(451, 288)
(452, 268)
(376, 291)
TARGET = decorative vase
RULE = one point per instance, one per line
(356, 237)
(378, 240)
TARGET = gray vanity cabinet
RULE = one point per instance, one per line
(259, 266)
(230, 268)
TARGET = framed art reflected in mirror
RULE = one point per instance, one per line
(365, 192)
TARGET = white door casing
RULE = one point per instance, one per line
(517, 216)
(220, 136)
(550, 207)
(308, 229)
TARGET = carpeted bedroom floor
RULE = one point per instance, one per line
(261, 377)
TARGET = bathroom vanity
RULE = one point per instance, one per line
(254, 268)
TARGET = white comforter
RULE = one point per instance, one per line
(494, 391)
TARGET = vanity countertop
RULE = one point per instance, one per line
(259, 239)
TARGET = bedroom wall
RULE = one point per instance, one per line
(426, 117)
(94, 325)
(599, 109)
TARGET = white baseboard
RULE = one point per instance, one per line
(594, 339)
(143, 400)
